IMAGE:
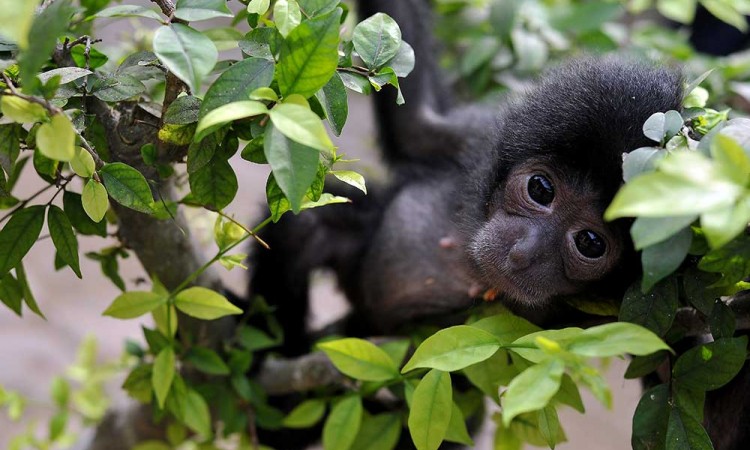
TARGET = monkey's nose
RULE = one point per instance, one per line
(521, 256)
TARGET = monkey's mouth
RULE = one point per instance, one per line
(517, 290)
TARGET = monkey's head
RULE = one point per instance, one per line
(556, 167)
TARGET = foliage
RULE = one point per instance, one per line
(688, 192)
(79, 398)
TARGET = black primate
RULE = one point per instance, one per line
(483, 201)
(503, 201)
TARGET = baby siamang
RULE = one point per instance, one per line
(481, 202)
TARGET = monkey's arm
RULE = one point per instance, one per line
(429, 125)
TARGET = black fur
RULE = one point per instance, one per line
(450, 164)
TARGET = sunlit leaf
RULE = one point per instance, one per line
(186, 52)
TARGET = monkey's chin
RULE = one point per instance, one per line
(519, 293)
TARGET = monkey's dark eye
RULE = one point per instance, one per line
(541, 190)
(590, 244)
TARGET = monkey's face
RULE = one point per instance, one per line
(544, 235)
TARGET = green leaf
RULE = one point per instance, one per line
(83, 163)
(351, 178)
(334, 101)
(258, 6)
(237, 83)
(654, 310)
(648, 231)
(343, 424)
(506, 327)
(662, 259)
(61, 232)
(20, 110)
(287, 15)
(654, 127)
(10, 147)
(724, 260)
(491, 373)
(51, 23)
(723, 225)
(204, 304)
(294, 165)
(532, 389)
(726, 12)
(457, 431)
(710, 366)
(79, 218)
(314, 8)
(67, 74)
(46, 168)
(453, 348)
(278, 204)
(686, 433)
(380, 432)
(165, 318)
(569, 394)
(18, 236)
(431, 408)
(183, 111)
(163, 374)
(127, 187)
(117, 88)
(56, 139)
(177, 134)
(186, 52)
(226, 114)
(201, 153)
(301, 125)
(134, 304)
(324, 200)
(17, 20)
(641, 366)
(549, 425)
(650, 419)
(28, 296)
(215, 184)
(11, 293)
(687, 183)
(377, 40)
(580, 17)
(309, 55)
(678, 10)
(528, 346)
(95, 200)
(722, 321)
(195, 10)
(196, 414)
(130, 11)
(253, 339)
(403, 63)
(614, 339)
(360, 359)
(306, 414)
(259, 42)
(356, 82)
(207, 361)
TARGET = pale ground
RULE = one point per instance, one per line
(33, 351)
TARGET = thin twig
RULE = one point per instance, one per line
(244, 228)
(167, 6)
(26, 202)
(87, 146)
(52, 109)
